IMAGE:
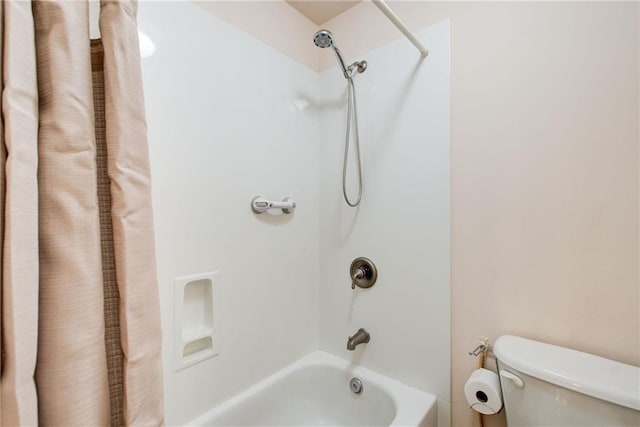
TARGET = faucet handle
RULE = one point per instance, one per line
(363, 273)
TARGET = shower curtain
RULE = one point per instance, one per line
(80, 321)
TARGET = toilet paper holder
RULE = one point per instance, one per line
(483, 348)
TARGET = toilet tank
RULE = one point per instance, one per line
(545, 385)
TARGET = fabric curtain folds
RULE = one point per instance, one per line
(80, 320)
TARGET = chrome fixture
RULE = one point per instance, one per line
(363, 273)
(479, 349)
(360, 337)
(356, 385)
(260, 205)
(483, 348)
(324, 39)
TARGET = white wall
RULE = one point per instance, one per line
(275, 22)
(230, 117)
(403, 222)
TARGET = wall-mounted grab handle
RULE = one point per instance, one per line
(260, 205)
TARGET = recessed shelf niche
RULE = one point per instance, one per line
(194, 339)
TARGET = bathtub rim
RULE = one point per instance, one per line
(413, 406)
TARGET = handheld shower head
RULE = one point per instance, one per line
(324, 39)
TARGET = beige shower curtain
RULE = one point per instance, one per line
(80, 322)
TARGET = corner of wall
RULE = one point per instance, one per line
(274, 23)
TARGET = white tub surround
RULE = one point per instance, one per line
(220, 135)
(402, 224)
(270, 126)
(315, 391)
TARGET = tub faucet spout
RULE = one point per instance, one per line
(360, 337)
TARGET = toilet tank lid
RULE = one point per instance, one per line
(584, 373)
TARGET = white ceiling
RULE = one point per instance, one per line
(320, 11)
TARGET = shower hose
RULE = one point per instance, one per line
(352, 113)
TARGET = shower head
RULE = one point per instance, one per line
(323, 38)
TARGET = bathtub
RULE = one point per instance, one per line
(315, 391)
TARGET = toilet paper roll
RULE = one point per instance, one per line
(482, 391)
